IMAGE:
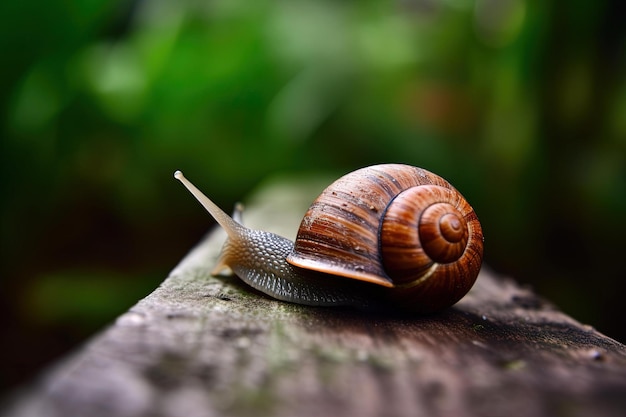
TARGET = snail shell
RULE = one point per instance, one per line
(397, 226)
(392, 234)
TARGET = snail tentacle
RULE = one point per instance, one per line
(228, 224)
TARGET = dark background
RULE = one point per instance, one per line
(521, 104)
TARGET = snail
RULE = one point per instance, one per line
(385, 235)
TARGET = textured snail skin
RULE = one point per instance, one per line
(258, 258)
(392, 235)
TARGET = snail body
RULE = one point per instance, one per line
(382, 235)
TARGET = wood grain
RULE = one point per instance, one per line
(209, 346)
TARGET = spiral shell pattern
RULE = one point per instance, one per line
(396, 226)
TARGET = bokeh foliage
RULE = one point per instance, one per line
(519, 103)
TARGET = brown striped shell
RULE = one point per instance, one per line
(397, 226)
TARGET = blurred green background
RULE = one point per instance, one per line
(521, 104)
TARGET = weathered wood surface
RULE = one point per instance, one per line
(205, 346)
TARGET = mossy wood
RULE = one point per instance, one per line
(209, 346)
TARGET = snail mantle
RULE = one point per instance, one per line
(201, 345)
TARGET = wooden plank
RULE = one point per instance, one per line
(206, 346)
